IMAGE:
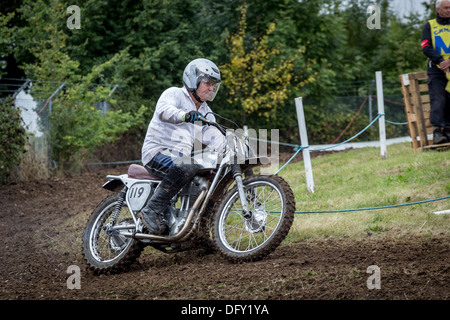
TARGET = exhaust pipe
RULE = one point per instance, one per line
(177, 236)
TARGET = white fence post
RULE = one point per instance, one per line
(304, 143)
(381, 120)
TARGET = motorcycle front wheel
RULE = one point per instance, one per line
(271, 204)
(105, 251)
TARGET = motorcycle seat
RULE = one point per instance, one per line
(136, 171)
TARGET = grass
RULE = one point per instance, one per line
(361, 179)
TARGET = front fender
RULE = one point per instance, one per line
(254, 162)
(226, 181)
(113, 185)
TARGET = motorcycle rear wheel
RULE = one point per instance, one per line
(272, 206)
(105, 252)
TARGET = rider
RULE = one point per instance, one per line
(170, 137)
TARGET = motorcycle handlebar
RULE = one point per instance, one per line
(214, 124)
(207, 121)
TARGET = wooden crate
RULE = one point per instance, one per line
(417, 109)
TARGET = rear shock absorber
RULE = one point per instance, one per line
(118, 207)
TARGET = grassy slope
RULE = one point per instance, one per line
(361, 179)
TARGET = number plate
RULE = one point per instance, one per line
(138, 194)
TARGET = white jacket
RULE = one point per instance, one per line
(167, 130)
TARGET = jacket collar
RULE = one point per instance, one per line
(185, 91)
(442, 21)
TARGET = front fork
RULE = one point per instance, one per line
(237, 175)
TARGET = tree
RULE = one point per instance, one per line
(283, 50)
(394, 49)
(5, 38)
(77, 126)
(13, 138)
(257, 83)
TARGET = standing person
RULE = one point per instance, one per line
(170, 137)
(436, 46)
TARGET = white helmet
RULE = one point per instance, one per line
(198, 70)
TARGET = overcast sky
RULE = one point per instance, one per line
(405, 7)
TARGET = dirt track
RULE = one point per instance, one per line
(40, 229)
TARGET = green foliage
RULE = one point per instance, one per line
(360, 178)
(5, 36)
(256, 82)
(282, 50)
(392, 49)
(13, 138)
(77, 127)
(160, 36)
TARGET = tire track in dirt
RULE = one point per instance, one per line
(39, 224)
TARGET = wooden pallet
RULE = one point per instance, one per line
(417, 109)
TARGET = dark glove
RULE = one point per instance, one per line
(192, 116)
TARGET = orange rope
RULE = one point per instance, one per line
(351, 122)
(48, 99)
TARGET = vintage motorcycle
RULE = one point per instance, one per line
(244, 219)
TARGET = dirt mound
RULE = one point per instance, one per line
(41, 224)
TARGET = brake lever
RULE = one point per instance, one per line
(214, 124)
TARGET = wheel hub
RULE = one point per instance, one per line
(257, 222)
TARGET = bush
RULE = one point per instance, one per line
(13, 138)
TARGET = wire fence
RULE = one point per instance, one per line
(351, 114)
(34, 99)
(34, 117)
(35, 109)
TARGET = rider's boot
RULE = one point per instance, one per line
(447, 132)
(439, 136)
(153, 213)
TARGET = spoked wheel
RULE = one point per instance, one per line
(104, 248)
(271, 204)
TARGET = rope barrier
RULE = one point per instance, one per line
(300, 148)
(330, 147)
(355, 136)
(295, 154)
(361, 209)
(296, 147)
(375, 208)
(397, 123)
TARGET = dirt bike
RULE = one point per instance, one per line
(243, 219)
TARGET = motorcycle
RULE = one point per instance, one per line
(244, 219)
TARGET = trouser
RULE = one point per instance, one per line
(175, 174)
(439, 100)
